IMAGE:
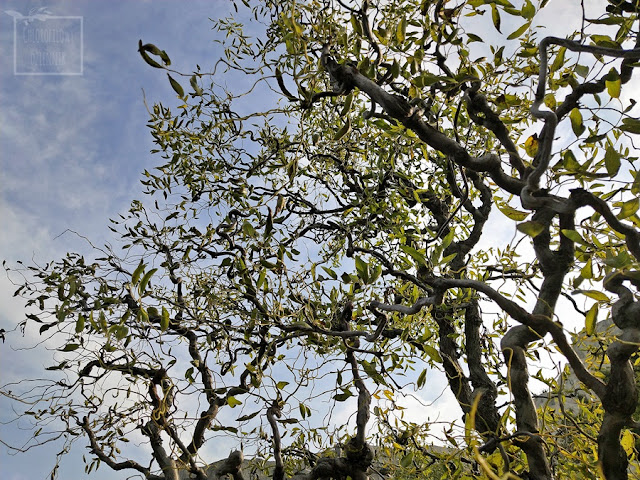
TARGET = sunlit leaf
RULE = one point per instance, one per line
(531, 145)
(433, 353)
(531, 228)
(550, 101)
(362, 268)
(573, 236)
(511, 212)
(517, 33)
(594, 294)
(587, 271)
(576, 121)
(628, 208)
(164, 319)
(628, 442)
(419, 257)
(401, 30)
(558, 61)
(591, 319)
(613, 83)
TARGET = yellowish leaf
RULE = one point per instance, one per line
(531, 145)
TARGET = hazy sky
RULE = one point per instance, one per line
(72, 148)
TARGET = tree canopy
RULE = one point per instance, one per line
(320, 239)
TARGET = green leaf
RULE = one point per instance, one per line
(595, 294)
(604, 41)
(582, 70)
(422, 379)
(628, 208)
(331, 273)
(341, 397)
(531, 228)
(401, 30)
(519, 31)
(164, 319)
(248, 229)
(176, 86)
(474, 38)
(591, 319)
(348, 101)
(102, 319)
(587, 271)
(233, 401)
(375, 273)
(570, 162)
(558, 62)
(573, 236)
(528, 10)
(343, 131)
(635, 186)
(136, 273)
(60, 366)
(70, 347)
(630, 125)
(433, 353)
(576, 121)
(145, 280)
(495, 16)
(613, 83)
(151, 48)
(295, 28)
(407, 460)
(80, 323)
(419, 257)
(121, 331)
(612, 160)
(362, 268)
(511, 212)
(281, 385)
(244, 418)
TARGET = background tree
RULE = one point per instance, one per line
(287, 259)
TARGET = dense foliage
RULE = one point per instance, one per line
(318, 243)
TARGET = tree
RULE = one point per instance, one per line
(328, 251)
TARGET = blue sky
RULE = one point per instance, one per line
(72, 149)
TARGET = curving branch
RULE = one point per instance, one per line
(346, 77)
(543, 157)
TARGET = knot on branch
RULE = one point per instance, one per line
(231, 465)
(359, 455)
(625, 312)
(341, 75)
